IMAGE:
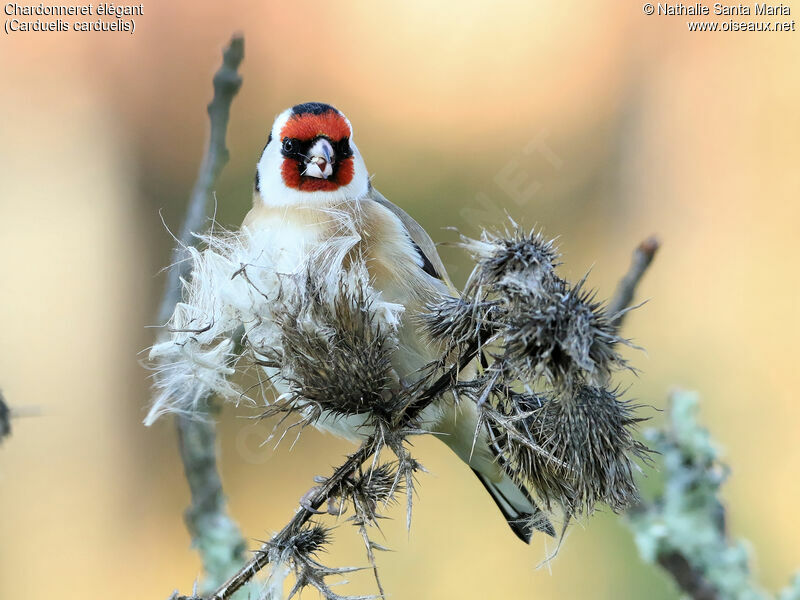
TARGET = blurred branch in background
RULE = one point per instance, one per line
(683, 528)
(227, 82)
(623, 297)
(216, 536)
(5, 419)
(7, 413)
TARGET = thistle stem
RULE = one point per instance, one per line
(318, 496)
(301, 517)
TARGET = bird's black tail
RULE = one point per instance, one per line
(518, 507)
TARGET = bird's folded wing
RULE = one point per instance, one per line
(418, 235)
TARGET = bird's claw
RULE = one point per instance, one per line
(308, 498)
(334, 508)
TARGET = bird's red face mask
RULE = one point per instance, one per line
(315, 144)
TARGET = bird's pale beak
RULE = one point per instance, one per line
(320, 159)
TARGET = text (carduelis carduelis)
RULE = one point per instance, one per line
(119, 17)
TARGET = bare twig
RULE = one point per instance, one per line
(642, 257)
(215, 535)
(227, 82)
(681, 567)
(691, 494)
(683, 570)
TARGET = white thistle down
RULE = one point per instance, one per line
(240, 282)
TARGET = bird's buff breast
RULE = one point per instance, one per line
(289, 233)
(363, 229)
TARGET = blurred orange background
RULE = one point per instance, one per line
(632, 126)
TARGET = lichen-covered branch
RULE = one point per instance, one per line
(683, 529)
(215, 535)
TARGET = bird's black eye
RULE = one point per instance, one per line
(343, 149)
(289, 145)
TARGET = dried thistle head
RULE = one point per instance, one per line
(517, 262)
(517, 443)
(335, 353)
(589, 450)
(451, 319)
(406, 467)
(459, 323)
(309, 541)
(565, 337)
(369, 490)
(299, 545)
(376, 485)
(298, 551)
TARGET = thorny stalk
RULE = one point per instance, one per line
(316, 498)
(227, 82)
(321, 494)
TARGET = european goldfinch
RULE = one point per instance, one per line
(313, 202)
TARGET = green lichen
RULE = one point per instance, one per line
(683, 527)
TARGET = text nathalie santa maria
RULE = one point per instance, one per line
(719, 9)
